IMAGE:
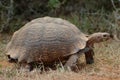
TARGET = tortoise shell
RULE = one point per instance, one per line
(45, 39)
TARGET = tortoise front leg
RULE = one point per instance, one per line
(89, 56)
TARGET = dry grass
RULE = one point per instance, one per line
(106, 66)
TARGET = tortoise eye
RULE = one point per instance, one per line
(104, 35)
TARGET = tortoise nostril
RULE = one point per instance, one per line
(111, 36)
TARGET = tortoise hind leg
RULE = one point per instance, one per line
(29, 66)
(26, 66)
(71, 61)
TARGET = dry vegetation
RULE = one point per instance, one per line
(94, 16)
(106, 66)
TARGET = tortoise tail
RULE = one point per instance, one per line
(11, 60)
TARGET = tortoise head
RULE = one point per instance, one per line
(98, 37)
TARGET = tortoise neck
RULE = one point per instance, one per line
(91, 42)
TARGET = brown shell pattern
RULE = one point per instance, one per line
(45, 39)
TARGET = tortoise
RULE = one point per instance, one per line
(49, 39)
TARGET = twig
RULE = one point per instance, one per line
(113, 4)
(9, 14)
